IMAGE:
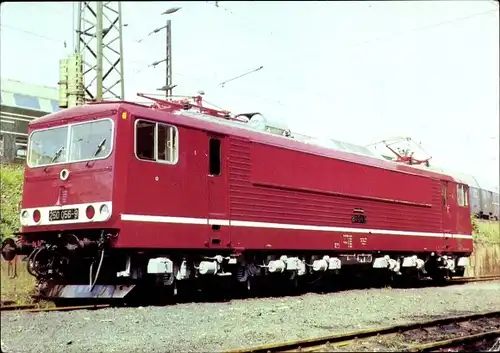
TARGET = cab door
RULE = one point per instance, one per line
(218, 218)
(447, 216)
(463, 222)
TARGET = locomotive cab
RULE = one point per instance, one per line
(66, 210)
(68, 174)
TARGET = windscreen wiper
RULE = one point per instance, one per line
(57, 154)
(99, 147)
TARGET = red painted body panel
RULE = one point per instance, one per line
(264, 178)
(218, 203)
(88, 182)
(169, 190)
(166, 236)
(336, 177)
(332, 199)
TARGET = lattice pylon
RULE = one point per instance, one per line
(100, 43)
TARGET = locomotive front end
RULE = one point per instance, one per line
(66, 215)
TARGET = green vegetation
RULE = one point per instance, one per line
(486, 232)
(485, 259)
(17, 284)
(11, 185)
(20, 288)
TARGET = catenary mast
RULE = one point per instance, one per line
(94, 72)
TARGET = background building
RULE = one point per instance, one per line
(19, 104)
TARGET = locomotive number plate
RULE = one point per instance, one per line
(63, 215)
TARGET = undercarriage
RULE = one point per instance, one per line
(87, 265)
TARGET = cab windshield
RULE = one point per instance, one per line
(71, 143)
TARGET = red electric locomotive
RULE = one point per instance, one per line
(118, 195)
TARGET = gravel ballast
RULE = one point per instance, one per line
(212, 327)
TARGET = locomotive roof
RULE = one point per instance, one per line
(79, 110)
(461, 177)
(349, 152)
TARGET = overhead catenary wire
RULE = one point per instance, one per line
(237, 77)
(138, 70)
(341, 49)
(14, 28)
(370, 40)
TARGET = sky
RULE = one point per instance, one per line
(353, 71)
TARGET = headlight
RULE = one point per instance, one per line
(24, 217)
(104, 211)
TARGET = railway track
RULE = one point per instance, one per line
(34, 308)
(477, 342)
(424, 336)
(475, 279)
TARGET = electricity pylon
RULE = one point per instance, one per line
(95, 71)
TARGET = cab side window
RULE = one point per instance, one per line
(444, 193)
(145, 140)
(214, 152)
(167, 143)
(156, 142)
(462, 195)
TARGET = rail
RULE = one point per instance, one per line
(32, 308)
(320, 343)
(476, 279)
(454, 342)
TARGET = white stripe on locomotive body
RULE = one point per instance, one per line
(44, 214)
(44, 211)
(163, 219)
(235, 223)
(219, 222)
